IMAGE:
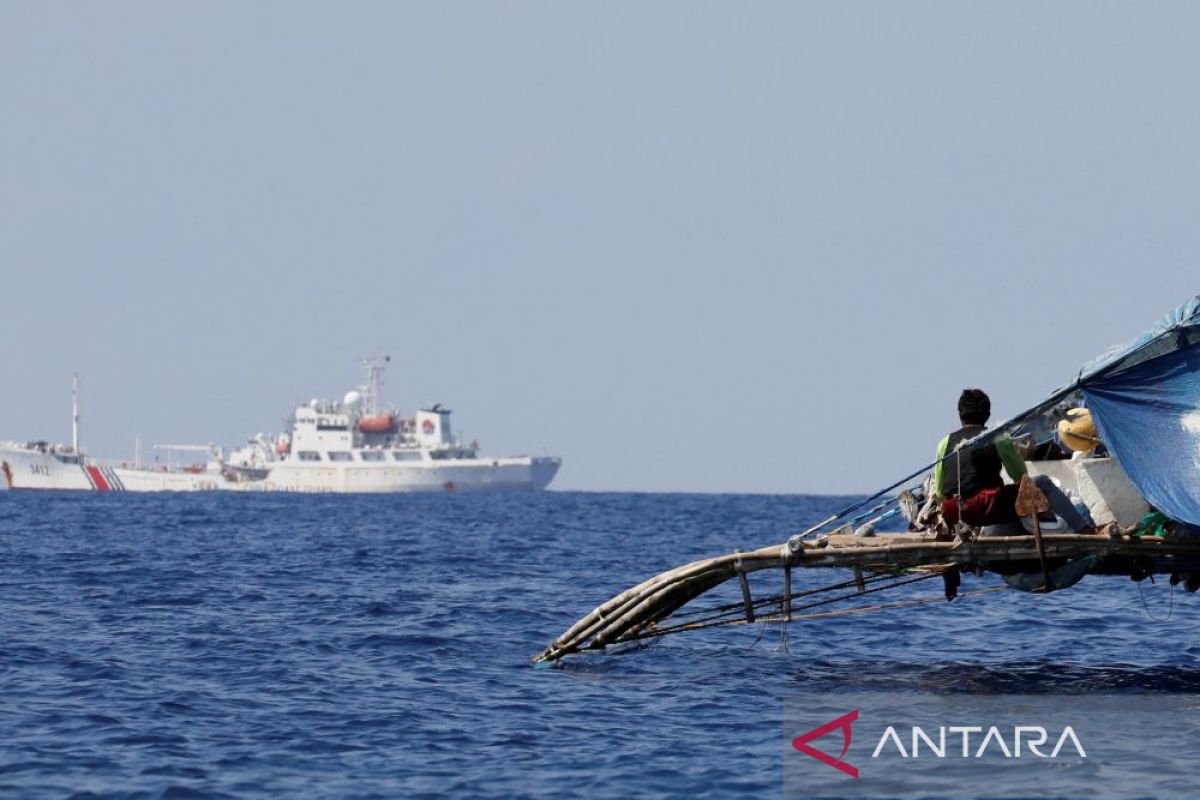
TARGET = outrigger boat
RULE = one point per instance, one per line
(1139, 481)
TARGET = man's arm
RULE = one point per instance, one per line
(939, 469)
(1014, 465)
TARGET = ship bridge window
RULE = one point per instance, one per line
(340, 455)
(438, 455)
(308, 455)
(331, 426)
(68, 459)
(406, 455)
(372, 455)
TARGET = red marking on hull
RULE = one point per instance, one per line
(98, 479)
(7, 475)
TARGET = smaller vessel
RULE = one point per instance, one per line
(42, 465)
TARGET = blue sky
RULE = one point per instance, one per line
(686, 246)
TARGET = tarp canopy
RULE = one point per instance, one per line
(1145, 399)
(1176, 329)
(1148, 416)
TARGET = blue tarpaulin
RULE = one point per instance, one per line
(1146, 405)
(1163, 336)
(1149, 418)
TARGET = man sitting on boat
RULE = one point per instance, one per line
(968, 483)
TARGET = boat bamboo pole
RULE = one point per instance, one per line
(615, 606)
(632, 611)
(617, 609)
(661, 604)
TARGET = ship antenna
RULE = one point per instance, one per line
(75, 413)
(374, 368)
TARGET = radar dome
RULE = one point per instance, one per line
(351, 399)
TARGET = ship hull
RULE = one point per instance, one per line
(23, 468)
(458, 475)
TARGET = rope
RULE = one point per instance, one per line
(892, 585)
(816, 615)
(898, 604)
(782, 647)
(958, 499)
(732, 609)
(870, 511)
(767, 601)
(729, 617)
(1170, 604)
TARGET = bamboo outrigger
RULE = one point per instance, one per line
(1146, 399)
(646, 610)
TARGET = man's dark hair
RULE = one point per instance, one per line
(974, 407)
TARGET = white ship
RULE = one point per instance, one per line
(42, 465)
(358, 446)
(350, 446)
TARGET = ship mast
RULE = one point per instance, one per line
(374, 385)
(75, 413)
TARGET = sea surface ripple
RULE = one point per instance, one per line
(186, 646)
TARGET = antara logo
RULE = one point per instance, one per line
(842, 723)
(1035, 736)
(1027, 738)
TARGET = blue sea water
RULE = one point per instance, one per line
(180, 646)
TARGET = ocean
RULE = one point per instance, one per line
(228, 645)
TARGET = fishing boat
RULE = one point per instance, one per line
(351, 445)
(1136, 473)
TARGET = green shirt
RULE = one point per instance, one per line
(1014, 465)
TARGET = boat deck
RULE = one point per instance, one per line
(913, 550)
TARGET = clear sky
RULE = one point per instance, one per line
(686, 246)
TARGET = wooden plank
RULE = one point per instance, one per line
(903, 551)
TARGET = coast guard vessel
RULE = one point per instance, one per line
(357, 445)
(354, 445)
(42, 465)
